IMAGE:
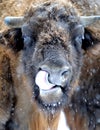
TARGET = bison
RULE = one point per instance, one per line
(45, 63)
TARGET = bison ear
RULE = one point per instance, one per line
(13, 39)
(89, 40)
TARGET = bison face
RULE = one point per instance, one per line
(52, 59)
(52, 65)
(52, 54)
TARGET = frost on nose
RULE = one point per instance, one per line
(42, 80)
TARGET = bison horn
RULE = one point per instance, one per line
(88, 20)
(14, 21)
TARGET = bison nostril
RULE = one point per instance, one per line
(65, 74)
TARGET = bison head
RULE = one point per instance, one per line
(51, 58)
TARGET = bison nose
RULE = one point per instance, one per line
(58, 76)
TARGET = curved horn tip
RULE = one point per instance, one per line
(14, 21)
(7, 20)
(10, 20)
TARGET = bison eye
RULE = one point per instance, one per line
(28, 42)
(78, 40)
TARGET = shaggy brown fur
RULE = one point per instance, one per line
(6, 91)
(48, 37)
(7, 64)
(88, 95)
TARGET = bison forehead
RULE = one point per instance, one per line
(52, 10)
(53, 36)
(48, 17)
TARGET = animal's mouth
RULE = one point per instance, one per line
(42, 81)
(50, 95)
